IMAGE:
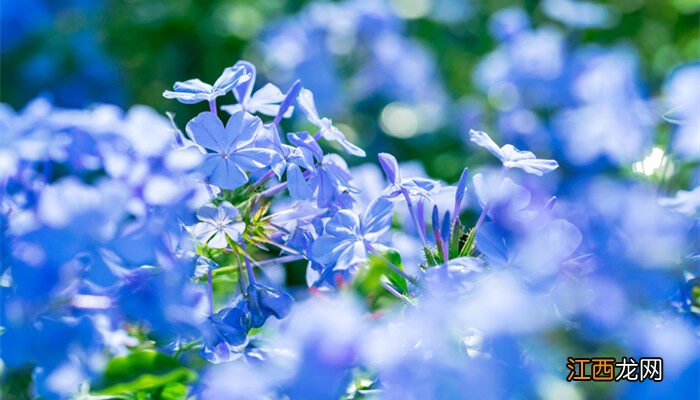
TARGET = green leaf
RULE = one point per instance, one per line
(143, 370)
(368, 280)
(173, 391)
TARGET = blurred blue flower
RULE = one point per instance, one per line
(580, 14)
(508, 22)
(683, 103)
(610, 118)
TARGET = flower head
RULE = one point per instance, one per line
(265, 101)
(511, 157)
(193, 90)
(232, 149)
(349, 237)
(226, 333)
(398, 184)
(218, 223)
(265, 302)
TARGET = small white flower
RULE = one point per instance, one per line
(217, 223)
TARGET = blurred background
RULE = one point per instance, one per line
(585, 82)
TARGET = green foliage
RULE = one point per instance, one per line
(462, 244)
(148, 372)
(368, 282)
(16, 384)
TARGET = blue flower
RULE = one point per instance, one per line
(683, 103)
(348, 238)
(290, 159)
(265, 101)
(232, 149)
(511, 157)
(329, 177)
(203, 266)
(265, 301)
(217, 224)
(193, 90)
(400, 185)
(325, 125)
(226, 333)
(167, 301)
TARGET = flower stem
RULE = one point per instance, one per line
(394, 292)
(248, 265)
(274, 190)
(211, 293)
(411, 211)
(264, 178)
(472, 233)
(389, 263)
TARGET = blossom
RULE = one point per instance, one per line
(232, 149)
(264, 101)
(348, 238)
(684, 202)
(265, 301)
(325, 125)
(683, 102)
(226, 333)
(218, 223)
(398, 184)
(511, 157)
(328, 176)
(193, 90)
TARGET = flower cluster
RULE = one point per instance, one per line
(142, 260)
